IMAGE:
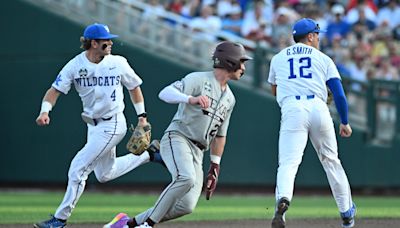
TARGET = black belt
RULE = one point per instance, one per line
(199, 145)
(96, 121)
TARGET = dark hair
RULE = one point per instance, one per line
(299, 38)
(85, 43)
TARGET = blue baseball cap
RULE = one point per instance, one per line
(98, 32)
(305, 26)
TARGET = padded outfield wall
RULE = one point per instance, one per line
(36, 44)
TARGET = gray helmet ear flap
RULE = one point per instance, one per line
(228, 55)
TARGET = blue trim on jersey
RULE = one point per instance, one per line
(336, 88)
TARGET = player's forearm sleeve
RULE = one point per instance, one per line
(172, 95)
(336, 87)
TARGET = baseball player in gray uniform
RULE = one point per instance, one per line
(300, 75)
(98, 77)
(200, 123)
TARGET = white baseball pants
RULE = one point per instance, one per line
(98, 155)
(300, 119)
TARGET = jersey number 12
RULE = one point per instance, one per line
(305, 63)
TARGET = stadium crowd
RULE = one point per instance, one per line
(362, 35)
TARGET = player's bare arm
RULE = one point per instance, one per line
(138, 102)
(49, 100)
(216, 150)
(217, 146)
(273, 90)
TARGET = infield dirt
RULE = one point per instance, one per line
(303, 223)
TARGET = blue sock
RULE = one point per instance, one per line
(157, 158)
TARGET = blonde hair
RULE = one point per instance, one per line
(85, 43)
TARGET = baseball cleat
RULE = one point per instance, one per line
(348, 217)
(279, 218)
(53, 222)
(144, 225)
(119, 221)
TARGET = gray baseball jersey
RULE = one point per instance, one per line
(183, 158)
(198, 124)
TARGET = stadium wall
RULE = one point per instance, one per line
(37, 44)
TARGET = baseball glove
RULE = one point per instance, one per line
(140, 139)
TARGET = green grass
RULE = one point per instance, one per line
(29, 207)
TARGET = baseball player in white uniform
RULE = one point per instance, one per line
(200, 123)
(98, 77)
(300, 75)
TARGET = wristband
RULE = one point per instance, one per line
(46, 107)
(215, 159)
(139, 108)
(144, 115)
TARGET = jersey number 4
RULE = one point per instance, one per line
(113, 95)
(304, 63)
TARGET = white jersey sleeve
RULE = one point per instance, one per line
(172, 95)
(129, 77)
(65, 78)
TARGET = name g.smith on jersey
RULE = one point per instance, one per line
(298, 50)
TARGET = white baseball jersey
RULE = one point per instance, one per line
(300, 73)
(100, 88)
(98, 85)
(301, 70)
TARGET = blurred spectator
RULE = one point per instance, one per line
(386, 111)
(224, 7)
(176, 6)
(255, 26)
(338, 28)
(386, 70)
(153, 10)
(191, 8)
(368, 8)
(266, 8)
(390, 14)
(209, 2)
(206, 25)
(281, 29)
(362, 19)
(340, 53)
(369, 3)
(359, 33)
(380, 46)
(358, 71)
(232, 23)
(290, 12)
(396, 33)
(394, 54)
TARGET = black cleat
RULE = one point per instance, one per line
(279, 219)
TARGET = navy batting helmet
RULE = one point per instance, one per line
(228, 55)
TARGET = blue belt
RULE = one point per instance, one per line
(308, 97)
